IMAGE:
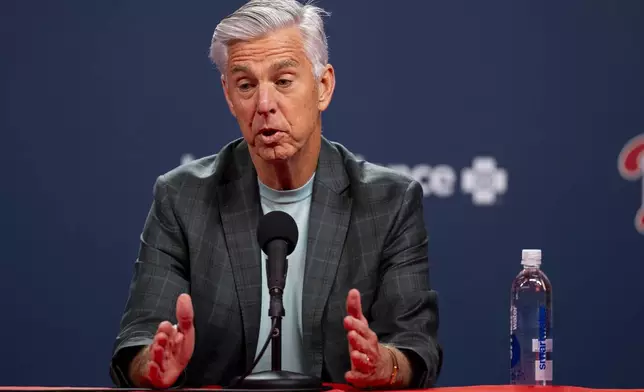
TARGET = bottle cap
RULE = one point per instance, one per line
(531, 257)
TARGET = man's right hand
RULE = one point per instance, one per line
(160, 364)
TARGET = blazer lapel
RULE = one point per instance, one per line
(328, 223)
(240, 209)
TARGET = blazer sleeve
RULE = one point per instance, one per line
(405, 310)
(161, 274)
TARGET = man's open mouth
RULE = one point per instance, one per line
(271, 136)
(269, 132)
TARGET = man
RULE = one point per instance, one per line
(358, 305)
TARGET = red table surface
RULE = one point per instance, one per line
(345, 388)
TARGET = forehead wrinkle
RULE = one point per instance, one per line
(263, 53)
(249, 49)
(246, 56)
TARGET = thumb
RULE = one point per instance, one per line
(354, 306)
(185, 313)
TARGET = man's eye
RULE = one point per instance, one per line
(244, 86)
(284, 82)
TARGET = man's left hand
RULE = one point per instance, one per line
(371, 363)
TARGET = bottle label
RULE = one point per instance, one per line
(542, 345)
(537, 346)
(513, 318)
(516, 373)
(543, 366)
(535, 363)
(543, 371)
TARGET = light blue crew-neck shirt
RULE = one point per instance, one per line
(297, 203)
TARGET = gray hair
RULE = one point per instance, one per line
(259, 17)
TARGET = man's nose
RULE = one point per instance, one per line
(267, 103)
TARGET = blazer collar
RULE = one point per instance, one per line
(240, 210)
(331, 171)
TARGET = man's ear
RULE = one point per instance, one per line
(326, 86)
(224, 85)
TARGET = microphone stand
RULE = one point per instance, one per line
(277, 379)
(276, 311)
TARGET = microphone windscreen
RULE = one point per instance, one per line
(277, 225)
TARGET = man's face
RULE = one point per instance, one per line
(271, 90)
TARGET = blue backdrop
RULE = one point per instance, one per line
(512, 114)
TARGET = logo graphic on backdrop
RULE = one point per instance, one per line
(484, 181)
(631, 166)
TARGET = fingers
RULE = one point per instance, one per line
(359, 343)
(354, 306)
(163, 340)
(357, 379)
(154, 373)
(168, 352)
(157, 353)
(167, 328)
(178, 339)
(362, 363)
(361, 327)
(364, 354)
(364, 350)
(185, 313)
(363, 342)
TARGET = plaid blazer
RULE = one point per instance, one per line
(366, 231)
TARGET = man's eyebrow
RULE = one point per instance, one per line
(290, 63)
(239, 68)
(284, 64)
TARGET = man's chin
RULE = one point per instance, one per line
(275, 154)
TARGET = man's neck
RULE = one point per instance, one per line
(292, 173)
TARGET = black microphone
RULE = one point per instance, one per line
(277, 236)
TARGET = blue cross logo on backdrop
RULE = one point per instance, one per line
(484, 181)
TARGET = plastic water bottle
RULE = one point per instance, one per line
(531, 323)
